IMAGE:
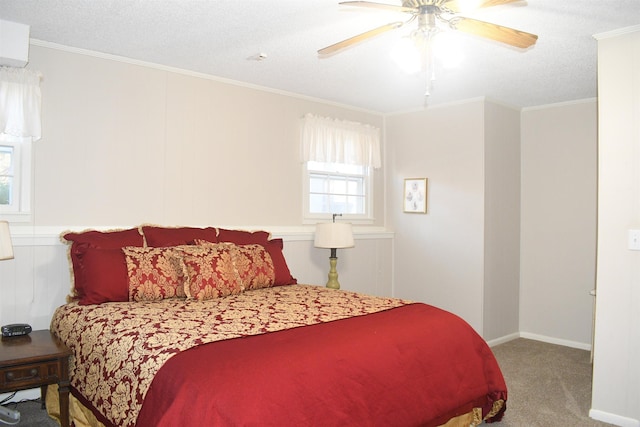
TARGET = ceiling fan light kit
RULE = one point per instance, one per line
(434, 17)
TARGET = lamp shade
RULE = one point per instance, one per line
(334, 235)
(6, 248)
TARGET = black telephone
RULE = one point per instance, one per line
(16, 330)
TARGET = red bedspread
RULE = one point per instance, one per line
(119, 347)
(414, 365)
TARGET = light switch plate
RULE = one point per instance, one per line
(634, 240)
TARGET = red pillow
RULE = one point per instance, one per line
(107, 239)
(105, 274)
(241, 237)
(168, 236)
(283, 275)
(97, 239)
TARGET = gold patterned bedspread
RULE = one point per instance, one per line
(118, 347)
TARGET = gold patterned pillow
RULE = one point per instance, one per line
(253, 263)
(154, 273)
(211, 271)
(255, 266)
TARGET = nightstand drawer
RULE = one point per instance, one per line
(36, 360)
(30, 375)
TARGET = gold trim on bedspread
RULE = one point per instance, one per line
(83, 417)
(119, 347)
(79, 415)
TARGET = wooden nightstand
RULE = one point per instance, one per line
(36, 360)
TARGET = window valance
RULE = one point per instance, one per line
(339, 141)
(20, 103)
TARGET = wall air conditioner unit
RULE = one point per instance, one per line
(14, 44)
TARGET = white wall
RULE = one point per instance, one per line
(463, 255)
(502, 222)
(616, 368)
(125, 144)
(438, 256)
(558, 228)
(34, 283)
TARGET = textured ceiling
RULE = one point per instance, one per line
(221, 37)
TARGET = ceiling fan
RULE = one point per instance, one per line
(429, 13)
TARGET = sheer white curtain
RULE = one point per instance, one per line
(20, 102)
(339, 141)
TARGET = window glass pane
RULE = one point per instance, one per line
(338, 204)
(316, 184)
(15, 178)
(6, 155)
(318, 203)
(353, 187)
(357, 203)
(6, 172)
(337, 188)
(5, 190)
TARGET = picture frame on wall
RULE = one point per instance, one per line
(415, 195)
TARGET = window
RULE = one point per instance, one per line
(20, 124)
(337, 188)
(15, 178)
(339, 157)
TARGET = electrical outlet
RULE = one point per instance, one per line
(634, 240)
(9, 414)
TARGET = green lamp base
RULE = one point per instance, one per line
(333, 274)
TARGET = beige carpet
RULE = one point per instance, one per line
(548, 385)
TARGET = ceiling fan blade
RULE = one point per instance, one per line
(359, 38)
(464, 6)
(383, 6)
(489, 3)
(495, 32)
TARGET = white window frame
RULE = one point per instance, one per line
(20, 208)
(312, 218)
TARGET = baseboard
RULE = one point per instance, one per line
(614, 419)
(558, 341)
(504, 339)
(536, 337)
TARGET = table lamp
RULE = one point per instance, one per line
(333, 235)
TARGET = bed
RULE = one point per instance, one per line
(204, 326)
